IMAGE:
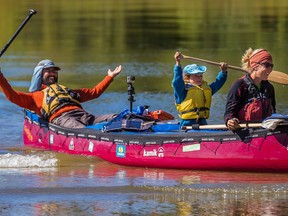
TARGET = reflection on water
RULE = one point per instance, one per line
(92, 186)
(86, 38)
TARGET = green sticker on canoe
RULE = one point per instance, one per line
(193, 147)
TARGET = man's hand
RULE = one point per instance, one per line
(115, 72)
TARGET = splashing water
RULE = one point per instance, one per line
(26, 161)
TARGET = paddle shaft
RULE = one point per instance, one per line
(213, 63)
(31, 13)
(221, 126)
(274, 76)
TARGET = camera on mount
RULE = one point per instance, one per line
(131, 91)
(130, 79)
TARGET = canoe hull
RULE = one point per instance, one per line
(250, 150)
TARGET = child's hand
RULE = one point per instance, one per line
(178, 56)
(224, 67)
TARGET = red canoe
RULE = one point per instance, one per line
(248, 149)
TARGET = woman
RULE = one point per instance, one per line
(252, 97)
(192, 93)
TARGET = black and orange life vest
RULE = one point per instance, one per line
(57, 96)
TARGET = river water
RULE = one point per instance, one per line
(86, 38)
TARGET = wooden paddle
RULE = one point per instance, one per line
(220, 126)
(270, 124)
(275, 76)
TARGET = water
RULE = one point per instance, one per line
(85, 186)
(85, 39)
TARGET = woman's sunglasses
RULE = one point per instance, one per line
(266, 64)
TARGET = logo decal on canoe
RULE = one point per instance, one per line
(91, 146)
(51, 139)
(154, 153)
(71, 144)
(120, 150)
(193, 147)
(28, 133)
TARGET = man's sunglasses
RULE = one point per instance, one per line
(266, 64)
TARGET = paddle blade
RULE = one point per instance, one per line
(278, 77)
(272, 122)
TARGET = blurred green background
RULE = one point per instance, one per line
(86, 38)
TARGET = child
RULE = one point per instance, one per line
(193, 95)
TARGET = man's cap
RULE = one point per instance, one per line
(194, 69)
(48, 64)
